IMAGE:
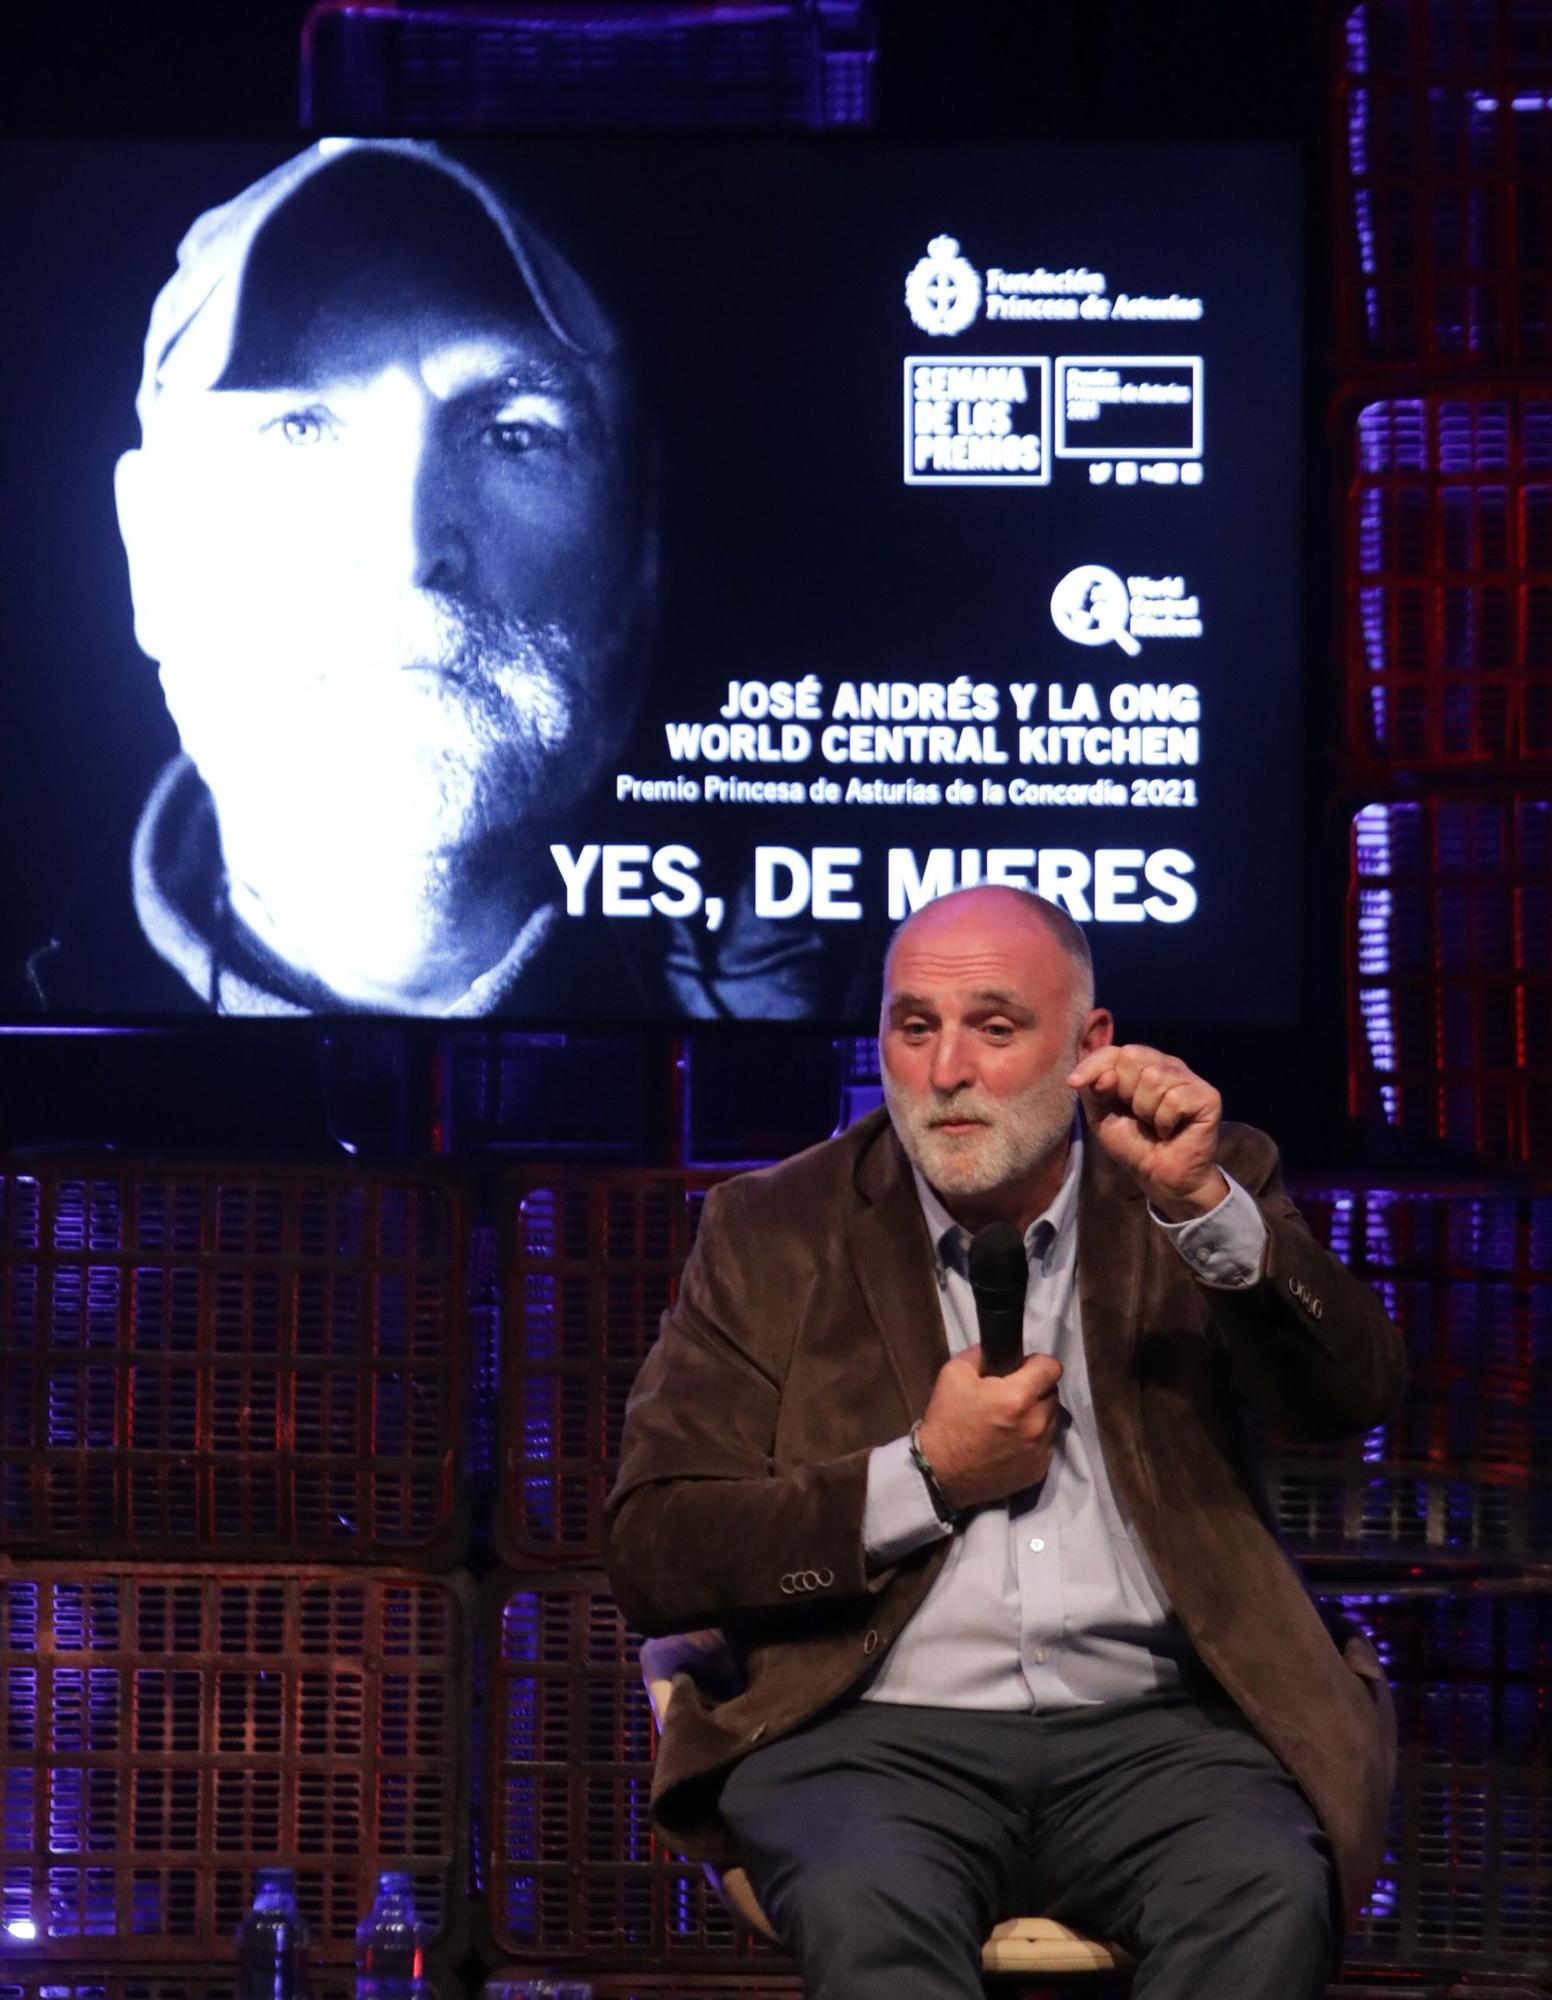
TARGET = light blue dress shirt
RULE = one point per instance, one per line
(1047, 1600)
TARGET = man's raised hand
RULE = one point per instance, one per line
(1159, 1120)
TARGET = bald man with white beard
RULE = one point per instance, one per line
(1000, 1644)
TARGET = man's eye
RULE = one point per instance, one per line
(998, 1031)
(523, 420)
(522, 436)
(914, 1031)
(301, 428)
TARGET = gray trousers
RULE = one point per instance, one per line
(884, 1842)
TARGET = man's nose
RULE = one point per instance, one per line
(412, 511)
(441, 534)
(952, 1066)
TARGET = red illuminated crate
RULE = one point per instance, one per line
(1461, 1473)
(1448, 582)
(1446, 181)
(229, 1361)
(1450, 973)
(1440, 1989)
(574, 1871)
(1466, 1883)
(590, 1260)
(165, 1731)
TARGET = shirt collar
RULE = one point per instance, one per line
(1043, 1238)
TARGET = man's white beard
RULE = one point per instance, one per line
(369, 807)
(1013, 1136)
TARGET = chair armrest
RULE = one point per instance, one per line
(704, 1655)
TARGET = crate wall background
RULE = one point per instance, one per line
(168, 1729)
(234, 1362)
(1443, 429)
(215, 1382)
(1444, 158)
(1459, 1476)
(590, 1261)
(170, 1724)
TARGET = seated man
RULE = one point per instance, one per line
(1021, 1643)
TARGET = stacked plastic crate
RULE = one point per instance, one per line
(1445, 422)
(590, 1259)
(230, 1468)
(1435, 1532)
(516, 65)
(1447, 427)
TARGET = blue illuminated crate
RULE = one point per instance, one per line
(166, 1731)
(1461, 1473)
(1446, 177)
(590, 1260)
(230, 1361)
(1466, 1884)
(97, 1982)
(698, 63)
(520, 1094)
(197, 1982)
(573, 1869)
(1450, 973)
(1448, 582)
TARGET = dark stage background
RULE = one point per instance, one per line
(314, 1342)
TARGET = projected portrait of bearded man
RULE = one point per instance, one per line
(389, 541)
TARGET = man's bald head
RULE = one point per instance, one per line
(1004, 910)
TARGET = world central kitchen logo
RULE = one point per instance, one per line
(944, 291)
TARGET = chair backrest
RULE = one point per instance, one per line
(686, 1652)
(659, 1693)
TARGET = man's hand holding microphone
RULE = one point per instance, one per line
(993, 1419)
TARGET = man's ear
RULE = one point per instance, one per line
(1098, 1031)
(137, 530)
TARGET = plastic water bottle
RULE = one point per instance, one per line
(390, 1945)
(272, 1940)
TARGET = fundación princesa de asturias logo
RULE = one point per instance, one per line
(943, 292)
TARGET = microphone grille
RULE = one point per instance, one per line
(997, 1259)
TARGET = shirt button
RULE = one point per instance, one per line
(1037, 1545)
(1039, 1656)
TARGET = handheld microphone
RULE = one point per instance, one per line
(999, 1277)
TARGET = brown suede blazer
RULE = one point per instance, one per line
(808, 1330)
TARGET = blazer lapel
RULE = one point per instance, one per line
(892, 1258)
